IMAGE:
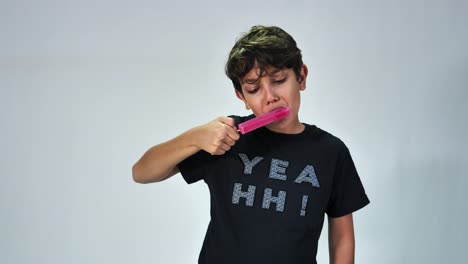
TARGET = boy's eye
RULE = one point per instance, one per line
(280, 81)
(252, 91)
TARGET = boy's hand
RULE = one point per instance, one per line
(217, 136)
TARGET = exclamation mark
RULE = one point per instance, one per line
(304, 204)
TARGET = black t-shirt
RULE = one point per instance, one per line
(270, 192)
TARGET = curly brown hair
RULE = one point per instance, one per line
(264, 46)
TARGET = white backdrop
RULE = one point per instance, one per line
(88, 86)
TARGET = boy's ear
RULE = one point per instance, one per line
(239, 95)
(303, 77)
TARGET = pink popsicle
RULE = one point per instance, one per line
(263, 120)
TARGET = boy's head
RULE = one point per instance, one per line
(263, 46)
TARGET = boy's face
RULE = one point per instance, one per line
(274, 88)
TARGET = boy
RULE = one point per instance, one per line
(269, 188)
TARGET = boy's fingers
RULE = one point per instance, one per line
(230, 126)
(228, 140)
(225, 147)
(227, 120)
(232, 133)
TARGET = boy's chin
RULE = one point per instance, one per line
(285, 126)
(279, 125)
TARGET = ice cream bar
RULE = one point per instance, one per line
(263, 120)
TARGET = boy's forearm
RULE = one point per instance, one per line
(341, 239)
(160, 161)
(342, 252)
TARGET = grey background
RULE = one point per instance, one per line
(88, 86)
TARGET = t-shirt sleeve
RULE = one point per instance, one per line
(348, 194)
(194, 167)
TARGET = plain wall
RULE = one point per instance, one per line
(88, 86)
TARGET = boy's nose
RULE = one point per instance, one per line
(271, 96)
